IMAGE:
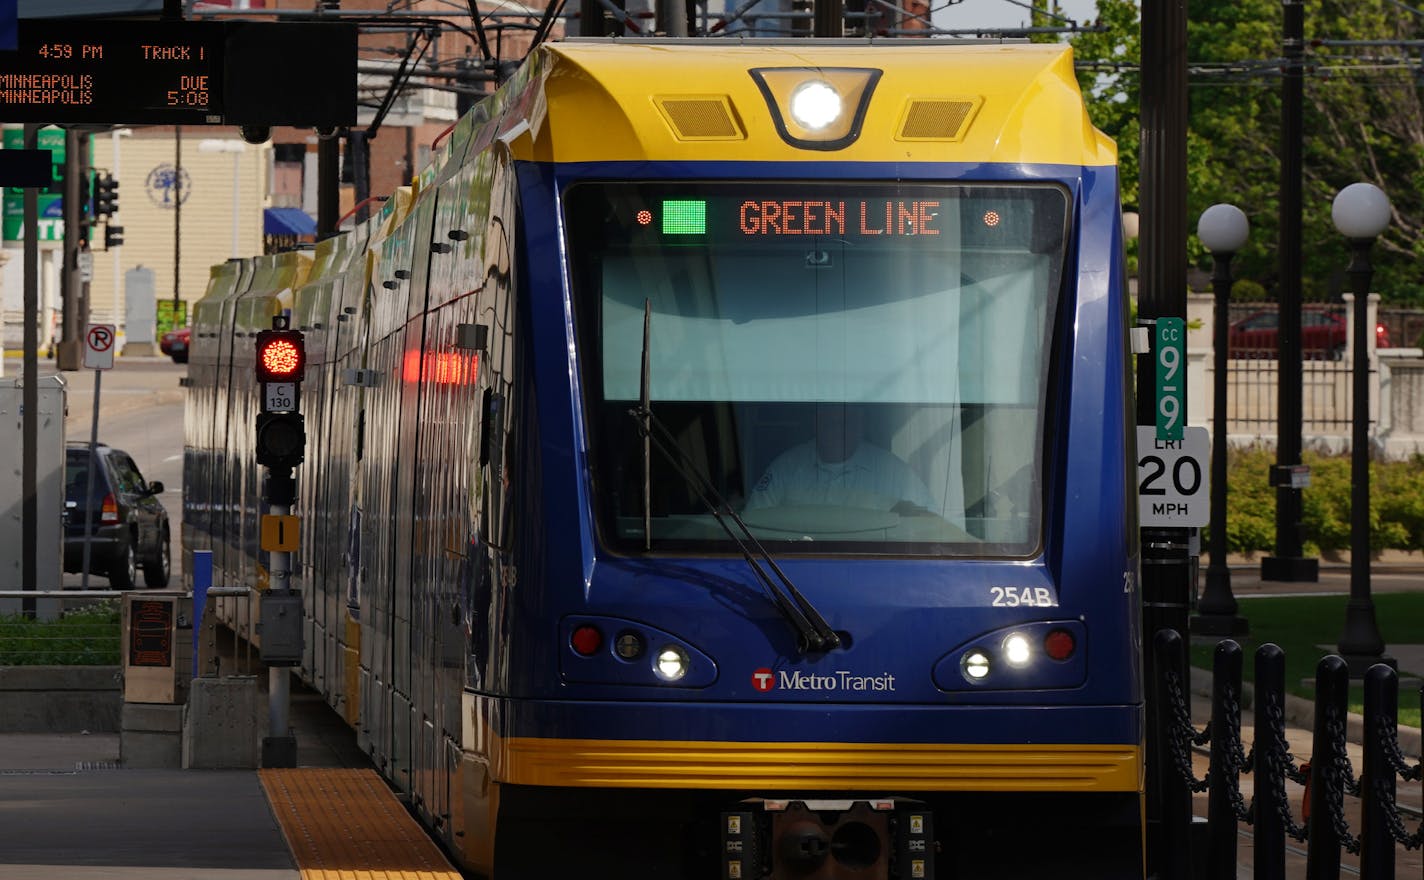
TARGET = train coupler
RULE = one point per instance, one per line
(885, 838)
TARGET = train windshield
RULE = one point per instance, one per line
(855, 368)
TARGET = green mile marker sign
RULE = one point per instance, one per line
(1169, 354)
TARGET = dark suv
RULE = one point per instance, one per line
(127, 524)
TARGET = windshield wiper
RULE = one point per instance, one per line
(813, 634)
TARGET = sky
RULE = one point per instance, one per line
(970, 14)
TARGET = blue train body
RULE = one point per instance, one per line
(535, 620)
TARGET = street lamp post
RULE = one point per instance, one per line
(1361, 212)
(1223, 229)
(1289, 562)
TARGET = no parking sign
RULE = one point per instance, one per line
(99, 346)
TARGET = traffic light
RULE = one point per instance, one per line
(281, 360)
(106, 195)
(281, 356)
(113, 236)
(281, 439)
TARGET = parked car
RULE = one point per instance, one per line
(127, 524)
(1322, 334)
(175, 344)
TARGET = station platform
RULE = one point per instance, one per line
(69, 812)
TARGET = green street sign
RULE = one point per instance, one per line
(51, 224)
(1170, 357)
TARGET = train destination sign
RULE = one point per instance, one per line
(114, 71)
(839, 217)
(774, 215)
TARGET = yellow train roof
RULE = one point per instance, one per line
(713, 100)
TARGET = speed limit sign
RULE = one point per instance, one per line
(1172, 484)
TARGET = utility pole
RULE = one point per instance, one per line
(29, 396)
(328, 185)
(71, 294)
(1167, 568)
(177, 224)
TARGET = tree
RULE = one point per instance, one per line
(1364, 120)
(1107, 74)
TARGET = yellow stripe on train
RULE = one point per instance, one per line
(929, 102)
(816, 766)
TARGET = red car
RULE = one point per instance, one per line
(1322, 334)
(175, 344)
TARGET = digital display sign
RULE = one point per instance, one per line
(114, 71)
(774, 215)
(181, 73)
(839, 217)
(802, 216)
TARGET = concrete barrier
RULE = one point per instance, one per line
(223, 724)
(59, 699)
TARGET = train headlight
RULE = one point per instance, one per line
(1017, 650)
(815, 105)
(976, 665)
(671, 663)
(817, 108)
(629, 645)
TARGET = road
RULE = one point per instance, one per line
(140, 412)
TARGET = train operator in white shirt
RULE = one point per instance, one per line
(837, 467)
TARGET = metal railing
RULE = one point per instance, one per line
(1252, 386)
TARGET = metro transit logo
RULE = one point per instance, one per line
(765, 679)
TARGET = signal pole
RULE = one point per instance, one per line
(281, 441)
(1167, 569)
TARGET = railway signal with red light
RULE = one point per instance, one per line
(281, 430)
(281, 356)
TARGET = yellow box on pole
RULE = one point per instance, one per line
(279, 532)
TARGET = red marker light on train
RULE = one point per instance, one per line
(281, 356)
(586, 640)
(1059, 644)
(441, 367)
(991, 219)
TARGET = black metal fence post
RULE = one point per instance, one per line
(1377, 774)
(1327, 791)
(1224, 773)
(1269, 773)
(1174, 862)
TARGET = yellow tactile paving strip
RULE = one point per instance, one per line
(346, 825)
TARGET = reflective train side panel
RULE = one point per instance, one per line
(658, 318)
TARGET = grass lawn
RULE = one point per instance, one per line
(1299, 624)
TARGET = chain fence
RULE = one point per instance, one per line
(1325, 781)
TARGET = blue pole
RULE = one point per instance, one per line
(202, 581)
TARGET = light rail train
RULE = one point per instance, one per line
(719, 464)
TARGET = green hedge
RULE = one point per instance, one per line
(1396, 503)
(82, 637)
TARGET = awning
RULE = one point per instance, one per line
(287, 221)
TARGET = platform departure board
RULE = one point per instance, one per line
(117, 71)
